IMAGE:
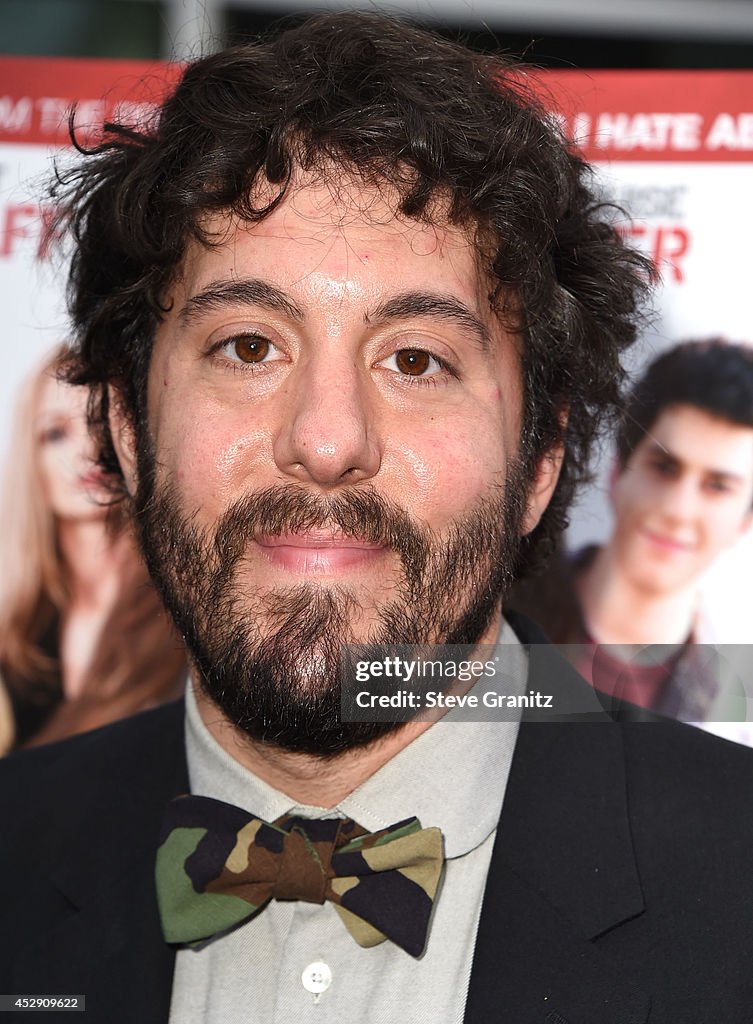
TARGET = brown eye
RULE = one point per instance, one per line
(251, 349)
(413, 361)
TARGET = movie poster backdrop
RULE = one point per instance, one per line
(673, 148)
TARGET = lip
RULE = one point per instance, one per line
(318, 551)
(94, 479)
(666, 543)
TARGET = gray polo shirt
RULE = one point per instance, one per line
(296, 962)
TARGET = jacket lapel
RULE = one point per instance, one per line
(562, 873)
(101, 934)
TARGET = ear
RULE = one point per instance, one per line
(542, 487)
(123, 438)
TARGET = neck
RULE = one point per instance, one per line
(618, 610)
(307, 779)
(91, 557)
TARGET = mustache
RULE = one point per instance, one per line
(291, 508)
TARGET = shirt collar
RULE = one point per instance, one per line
(452, 776)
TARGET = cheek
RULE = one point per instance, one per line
(55, 467)
(724, 526)
(633, 496)
(447, 466)
(212, 450)
(212, 459)
(47, 476)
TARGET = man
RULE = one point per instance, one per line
(352, 317)
(681, 493)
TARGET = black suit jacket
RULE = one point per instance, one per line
(619, 892)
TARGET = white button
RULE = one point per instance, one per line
(317, 977)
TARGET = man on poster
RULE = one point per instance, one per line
(353, 316)
(629, 614)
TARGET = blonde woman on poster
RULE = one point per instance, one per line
(83, 638)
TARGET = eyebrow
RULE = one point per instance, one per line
(412, 305)
(52, 419)
(407, 305)
(247, 291)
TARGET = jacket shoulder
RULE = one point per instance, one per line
(690, 772)
(44, 788)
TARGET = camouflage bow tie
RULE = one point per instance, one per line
(218, 865)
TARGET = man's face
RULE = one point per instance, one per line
(334, 417)
(684, 496)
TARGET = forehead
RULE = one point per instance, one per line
(340, 240)
(701, 440)
(56, 399)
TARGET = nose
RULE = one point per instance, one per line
(680, 500)
(328, 436)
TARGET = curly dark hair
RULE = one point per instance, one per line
(712, 374)
(370, 95)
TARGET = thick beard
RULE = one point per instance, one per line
(271, 660)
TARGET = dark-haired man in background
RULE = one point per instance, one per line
(682, 493)
(353, 317)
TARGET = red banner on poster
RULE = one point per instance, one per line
(656, 115)
(38, 94)
(612, 115)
